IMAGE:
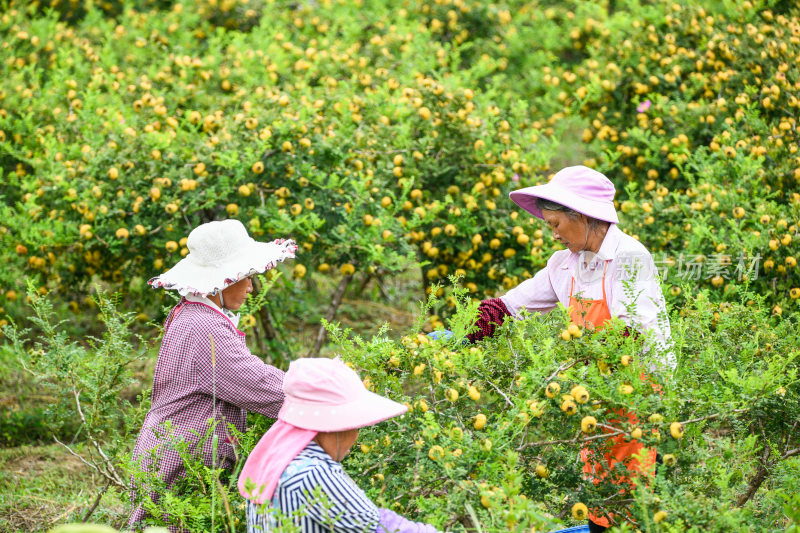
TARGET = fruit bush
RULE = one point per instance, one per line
(494, 429)
(125, 126)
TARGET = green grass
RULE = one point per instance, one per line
(45, 485)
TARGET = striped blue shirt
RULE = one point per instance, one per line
(315, 494)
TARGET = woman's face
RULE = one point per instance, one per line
(337, 444)
(235, 295)
(347, 439)
(570, 231)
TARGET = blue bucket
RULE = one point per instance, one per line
(576, 529)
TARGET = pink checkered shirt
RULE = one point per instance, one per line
(185, 382)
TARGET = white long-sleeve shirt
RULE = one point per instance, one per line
(632, 285)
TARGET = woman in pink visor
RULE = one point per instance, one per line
(602, 274)
(296, 466)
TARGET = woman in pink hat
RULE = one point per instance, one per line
(602, 274)
(295, 469)
(590, 276)
(205, 370)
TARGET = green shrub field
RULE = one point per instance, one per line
(384, 137)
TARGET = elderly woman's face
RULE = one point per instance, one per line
(570, 231)
(235, 295)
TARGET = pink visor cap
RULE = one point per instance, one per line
(326, 395)
(580, 188)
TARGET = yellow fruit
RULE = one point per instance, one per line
(738, 212)
(537, 409)
(580, 394)
(113, 173)
(625, 360)
(655, 418)
(171, 208)
(435, 453)
(244, 190)
(422, 405)
(122, 233)
(569, 407)
(794, 293)
(485, 501)
(625, 388)
(636, 433)
(480, 421)
(171, 246)
(669, 460)
(579, 511)
(323, 267)
(424, 113)
(299, 271)
(451, 395)
(347, 269)
(659, 516)
(450, 230)
(565, 335)
(574, 330)
(258, 167)
(552, 389)
(473, 393)
(295, 209)
(419, 369)
(676, 430)
(542, 471)
(232, 209)
(138, 229)
(588, 424)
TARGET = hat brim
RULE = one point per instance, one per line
(367, 410)
(526, 199)
(187, 277)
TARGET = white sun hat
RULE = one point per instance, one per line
(221, 253)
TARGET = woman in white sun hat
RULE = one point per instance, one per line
(295, 469)
(204, 357)
(602, 274)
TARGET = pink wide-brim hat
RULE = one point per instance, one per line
(326, 395)
(580, 188)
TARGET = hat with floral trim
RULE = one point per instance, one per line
(221, 253)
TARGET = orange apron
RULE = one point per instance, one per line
(595, 313)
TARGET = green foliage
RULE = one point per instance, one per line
(436, 461)
(85, 378)
(385, 136)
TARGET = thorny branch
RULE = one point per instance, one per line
(613, 432)
(108, 471)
